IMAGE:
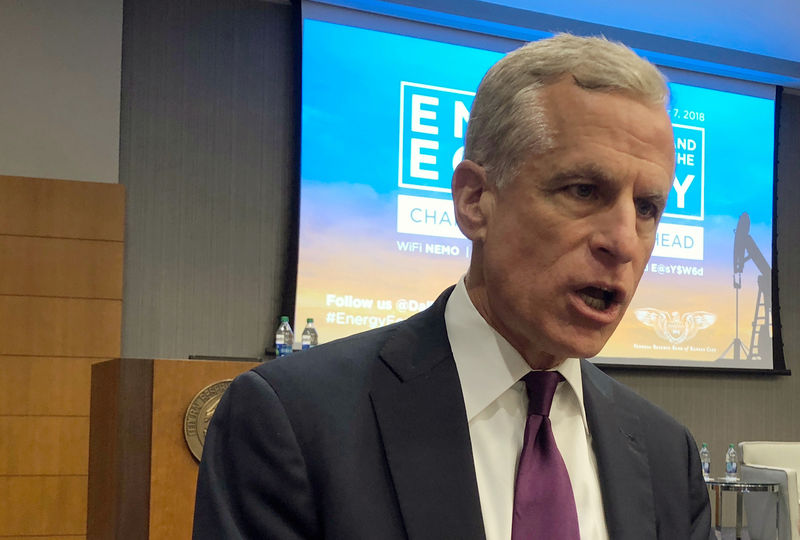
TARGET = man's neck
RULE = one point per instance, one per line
(536, 359)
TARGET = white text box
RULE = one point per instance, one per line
(679, 242)
(426, 216)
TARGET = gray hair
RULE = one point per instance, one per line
(508, 120)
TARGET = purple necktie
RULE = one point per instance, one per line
(544, 506)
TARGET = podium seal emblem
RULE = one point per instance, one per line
(199, 413)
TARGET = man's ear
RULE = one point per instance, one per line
(472, 199)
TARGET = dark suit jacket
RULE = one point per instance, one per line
(367, 438)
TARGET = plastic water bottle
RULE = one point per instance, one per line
(284, 338)
(731, 467)
(705, 461)
(310, 337)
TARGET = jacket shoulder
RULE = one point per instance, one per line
(626, 398)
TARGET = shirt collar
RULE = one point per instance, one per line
(487, 364)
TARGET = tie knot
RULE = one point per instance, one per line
(541, 387)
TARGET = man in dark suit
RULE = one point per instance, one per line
(414, 430)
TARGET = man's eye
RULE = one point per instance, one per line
(583, 191)
(646, 209)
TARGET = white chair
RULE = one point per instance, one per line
(765, 461)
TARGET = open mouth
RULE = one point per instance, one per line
(597, 297)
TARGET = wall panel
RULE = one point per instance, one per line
(33, 385)
(69, 537)
(43, 505)
(61, 67)
(63, 209)
(60, 267)
(47, 326)
(61, 254)
(44, 445)
(207, 157)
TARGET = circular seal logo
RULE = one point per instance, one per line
(199, 413)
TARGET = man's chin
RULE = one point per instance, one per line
(548, 349)
(590, 342)
(588, 348)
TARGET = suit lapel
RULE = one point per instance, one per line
(418, 403)
(622, 461)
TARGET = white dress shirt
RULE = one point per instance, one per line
(490, 370)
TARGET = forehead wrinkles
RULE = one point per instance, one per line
(641, 139)
(567, 107)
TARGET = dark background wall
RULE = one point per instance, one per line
(207, 148)
(206, 155)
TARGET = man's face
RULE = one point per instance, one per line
(565, 242)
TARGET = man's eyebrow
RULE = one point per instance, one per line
(585, 172)
(595, 173)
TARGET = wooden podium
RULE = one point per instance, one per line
(141, 473)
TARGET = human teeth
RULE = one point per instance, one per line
(591, 301)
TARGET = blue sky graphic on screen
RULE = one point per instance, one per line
(383, 122)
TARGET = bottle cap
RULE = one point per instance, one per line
(704, 445)
(310, 319)
(284, 318)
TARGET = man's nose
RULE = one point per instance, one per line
(617, 237)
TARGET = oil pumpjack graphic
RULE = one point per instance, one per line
(745, 249)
